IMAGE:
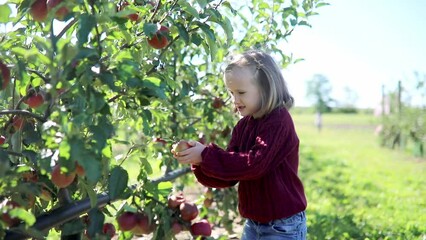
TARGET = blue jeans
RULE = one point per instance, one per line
(291, 228)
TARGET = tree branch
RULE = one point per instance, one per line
(23, 113)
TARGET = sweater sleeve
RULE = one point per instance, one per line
(271, 139)
(212, 181)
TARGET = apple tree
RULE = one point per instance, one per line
(95, 92)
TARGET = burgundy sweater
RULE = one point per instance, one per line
(263, 156)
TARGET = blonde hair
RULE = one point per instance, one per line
(267, 76)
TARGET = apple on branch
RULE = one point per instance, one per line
(62, 179)
(159, 40)
(61, 12)
(5, 75)
(188, 211)
(127, 221)
(2, 140)
(201, 228)
(133, 16)
(35, 100)
(38, 10)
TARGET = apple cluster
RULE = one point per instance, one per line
(139, 223)
(187, 212)
(64, 179)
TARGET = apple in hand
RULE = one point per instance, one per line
(159, 40)
(180, 146)
(5, 75)
(60, 179)
(39, 10)
(188, 211)
(201, 228)
(127, 221)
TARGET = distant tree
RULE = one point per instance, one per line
(319, 91)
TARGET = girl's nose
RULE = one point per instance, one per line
(235, 99)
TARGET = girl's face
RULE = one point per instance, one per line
(245, 93)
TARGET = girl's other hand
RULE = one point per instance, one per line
(191, 155)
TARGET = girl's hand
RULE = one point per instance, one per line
(191, 155)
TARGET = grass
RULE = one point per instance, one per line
(357, 189)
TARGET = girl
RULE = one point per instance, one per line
(263, 153)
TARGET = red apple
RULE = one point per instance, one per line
(30, 176)
(201, 228)
(159, 40)
(174, 200)
(60, 13)
(127, 221)
(79, 170)
(133, 16)
(202, 138)
(5, 75)
(35, 100)
(61, 179)
(176, 227)
(160, 141)
(143, 225)
(5, 217)
(109, 229)
(188, 211)
(39, 10)
(217, 103)
(180, 146)
(18, 122)
(2, 140)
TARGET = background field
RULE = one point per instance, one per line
(357, 189)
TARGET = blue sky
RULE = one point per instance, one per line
(361, 45)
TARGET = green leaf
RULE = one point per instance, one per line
(90, 192)
(117, 182)
(5, 12)
(207, 30)
(196, 39)
(188, 8)
(182, 32)
(202, 3)
(150, 29)
(96, 221)
(24, 215)
(85, 26)
(213, 48)
(322, 4)
(147, 166)
(109, 79)
(72, 227)
(227, 27)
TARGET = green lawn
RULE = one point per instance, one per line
(357, 189)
